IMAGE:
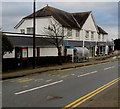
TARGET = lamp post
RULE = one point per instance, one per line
(34, 44)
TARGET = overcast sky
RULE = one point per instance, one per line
(105, 13)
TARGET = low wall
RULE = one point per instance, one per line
(13, 63)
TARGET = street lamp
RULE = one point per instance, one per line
(34, 44)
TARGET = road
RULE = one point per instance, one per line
(60, 88)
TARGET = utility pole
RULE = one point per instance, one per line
(34, 44)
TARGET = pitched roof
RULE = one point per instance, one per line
(71, 20)
(81, 17)
(100, 30)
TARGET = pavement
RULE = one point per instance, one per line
(92, 61)
(109, 98)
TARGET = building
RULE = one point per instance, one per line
(80, 28)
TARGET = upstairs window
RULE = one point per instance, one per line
(69, 33)
(92, 35)
(103, 37)
(30, 30)
(87, 35)
(99, 37)
(77, 33)
(22, 31)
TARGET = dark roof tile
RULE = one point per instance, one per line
(100, 30)
(64, 18)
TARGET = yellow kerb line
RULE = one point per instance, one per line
(92, 95)
(89, 94)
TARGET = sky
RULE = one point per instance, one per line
(105, 13)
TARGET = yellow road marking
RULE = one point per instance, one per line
(39, 79)
(82, 66)
(48, 80)
(72, 74)
(92, 95)
(93, 92)
(64, 76)
(26, 86)
(66, 69)
(24, 80)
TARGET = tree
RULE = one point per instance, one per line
(55, 32)
(6, 45)
(117, 44)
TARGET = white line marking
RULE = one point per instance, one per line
(87, 74)
(38, 87)
(109, 67)
(113, 67)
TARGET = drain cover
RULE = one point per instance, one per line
(53, 97)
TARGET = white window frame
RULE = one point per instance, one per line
(98, 36)
(102, 37)
(87, 35)
(77, 33)
(69, 32)
(92, 35)
(29, 30)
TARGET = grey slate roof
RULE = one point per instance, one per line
(81, 17)
(65, 18)
(101, 30)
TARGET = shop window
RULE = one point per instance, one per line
(24, 53)
(18, 52)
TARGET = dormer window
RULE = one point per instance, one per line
(30, 30)
(22, 31)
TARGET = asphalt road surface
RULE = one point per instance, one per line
(63, 88)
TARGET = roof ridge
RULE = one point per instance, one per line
(56, 9)
(82, 12)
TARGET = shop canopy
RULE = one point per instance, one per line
(72, 48)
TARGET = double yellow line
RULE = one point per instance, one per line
(90, 95)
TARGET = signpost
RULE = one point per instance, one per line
(34, 59)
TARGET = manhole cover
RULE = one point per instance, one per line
(53, 97)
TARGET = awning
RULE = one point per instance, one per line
(72, 48)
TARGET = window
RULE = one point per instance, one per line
(92, 35)
(87, 35)
(30, 30)
(22, 31)
(103, 37)
(98, 36)
(69, 33)
(77, 33)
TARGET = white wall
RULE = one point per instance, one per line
(40, 24)
(48, 52)
(90, 26)
(30, 52)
